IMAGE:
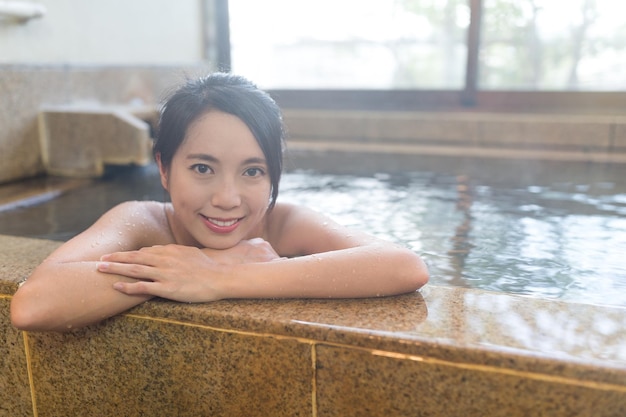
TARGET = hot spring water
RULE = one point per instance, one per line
(555, 233)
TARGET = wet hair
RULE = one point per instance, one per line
(230, 94)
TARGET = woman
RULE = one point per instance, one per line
(219, 151)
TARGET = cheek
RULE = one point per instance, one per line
(258, 198)
(183, 193)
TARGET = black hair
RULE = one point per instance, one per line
(231, 94)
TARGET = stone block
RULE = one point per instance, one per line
(134, 366)
(361, 383)
(79, 142)
(15, 394)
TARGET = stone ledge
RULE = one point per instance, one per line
(78, 141)
(595, 138)
(494, 353)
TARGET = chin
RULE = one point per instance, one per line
(220, 244)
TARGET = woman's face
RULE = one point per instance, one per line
(218, 182)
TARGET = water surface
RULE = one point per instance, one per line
(540, 229)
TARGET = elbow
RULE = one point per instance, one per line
(415, 273)
(26, 320)
(25, 314)
(21, 318)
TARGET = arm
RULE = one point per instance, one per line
(66, 290)
(363, 271)
(329, 261)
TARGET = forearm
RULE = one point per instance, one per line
(187, 274)
(348, 273)
(63, 296)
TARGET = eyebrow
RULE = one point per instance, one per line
(202, 157)
(211, 158)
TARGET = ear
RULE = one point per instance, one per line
(162, 171)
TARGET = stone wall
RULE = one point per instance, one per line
(443, 351)
(25, 90)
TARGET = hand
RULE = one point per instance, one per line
(181, 273)
(175, 272)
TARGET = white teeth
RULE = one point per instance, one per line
(223, 223)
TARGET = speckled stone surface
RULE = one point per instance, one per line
(490, 353)
(135, 367)
(15, 397)
(571, 137)
(359, 383)
(78, 141)
(18, 257)
(25, 89)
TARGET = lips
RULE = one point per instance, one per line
(221, 225)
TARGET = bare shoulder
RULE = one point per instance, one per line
(144, 219)
(128, 226)
(143, 211)
(297, 230)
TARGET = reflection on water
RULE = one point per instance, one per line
(561, 235)
(559, 240)
(64, 217)
(562, 330)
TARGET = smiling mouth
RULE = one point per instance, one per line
(221, 225)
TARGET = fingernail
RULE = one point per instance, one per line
(102, 266)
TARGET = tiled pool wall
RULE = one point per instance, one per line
(441, 352)
(26, 92)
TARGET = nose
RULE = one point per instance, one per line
(226, 196)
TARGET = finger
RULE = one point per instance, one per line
(131, 257)
(136, 288)
(156, 289)
(129, 270)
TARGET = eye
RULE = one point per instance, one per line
(254, 172)
(201, 168)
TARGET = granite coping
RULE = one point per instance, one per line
(458, 327)
(557, 137)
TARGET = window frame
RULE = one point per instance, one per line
(470, 97)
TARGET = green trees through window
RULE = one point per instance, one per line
(422, 44)
(553, 45)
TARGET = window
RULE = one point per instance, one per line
(350, 44)
(537, 45)
(553, 45)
